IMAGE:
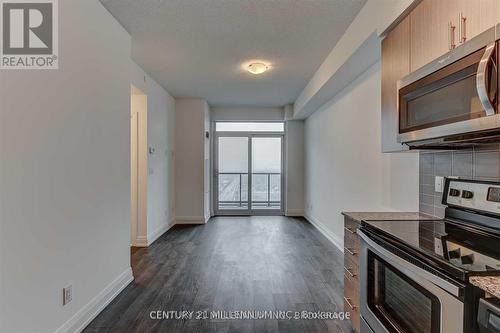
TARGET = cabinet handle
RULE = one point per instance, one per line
(348, 301)
(348, 271)
(451, 36)
(348, 250)
(350, 230)
(462, 28)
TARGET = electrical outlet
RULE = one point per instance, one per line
(67, 294)
(438, 184)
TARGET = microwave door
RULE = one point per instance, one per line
(459, 98)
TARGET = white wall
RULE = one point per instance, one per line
(345, 170)
(65, 176)
(160, 165)
(247, 114)
(294, 154)
(403, 173)
(190, 160)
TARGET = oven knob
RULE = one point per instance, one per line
(467, 259)
(454, 192)
(454, 254)
(467, 194)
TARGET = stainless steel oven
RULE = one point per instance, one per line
(454, 95)
(401, 296)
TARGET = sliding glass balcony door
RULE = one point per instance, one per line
(233, 176)
(248, 173)
(266, 173)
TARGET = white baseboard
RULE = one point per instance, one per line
(158, 232)
(145, 241)
(294, 212)
(86, 314)
(140, 241)
(334, 239)
(189, 220)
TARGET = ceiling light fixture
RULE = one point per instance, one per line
(257, 68)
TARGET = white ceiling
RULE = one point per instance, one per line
(196, 48)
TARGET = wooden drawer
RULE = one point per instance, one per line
(351, 254)
(351, 300)
(351, 224)
(351, 267)
(351, 239)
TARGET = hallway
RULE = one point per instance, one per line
(231, 263)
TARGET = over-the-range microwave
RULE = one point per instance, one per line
(454, 100)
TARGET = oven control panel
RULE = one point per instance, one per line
(476, 195)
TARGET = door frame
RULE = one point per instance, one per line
(215, 171)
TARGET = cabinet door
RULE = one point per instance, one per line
(395, 65)
(476, 16)
(430, 32)
(489, 13)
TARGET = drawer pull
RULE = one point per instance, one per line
(350, 230)
(348, 250)
(348, 271)
(348, 301)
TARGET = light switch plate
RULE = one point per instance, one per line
(67, 294)
(438, 184)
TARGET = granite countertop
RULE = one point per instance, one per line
(490, 284)
(376, 216)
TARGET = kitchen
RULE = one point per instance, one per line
(436, 270)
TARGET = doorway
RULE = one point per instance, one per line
(138, 167)
(248, 168)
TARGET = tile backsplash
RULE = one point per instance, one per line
(477, 163)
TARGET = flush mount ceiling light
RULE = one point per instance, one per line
(257, 68)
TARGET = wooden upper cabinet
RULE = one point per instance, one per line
(476, 16)
(433, 30)
(489, 13)
(395, 65)
(439, 25)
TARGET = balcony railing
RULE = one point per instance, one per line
(233, 190)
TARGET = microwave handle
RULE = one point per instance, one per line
(481, 80)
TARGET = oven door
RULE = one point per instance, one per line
(459, 98)
(397, 296)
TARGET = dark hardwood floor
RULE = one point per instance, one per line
(231, 263)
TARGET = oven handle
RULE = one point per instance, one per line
(481, 80)
(391, 257)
